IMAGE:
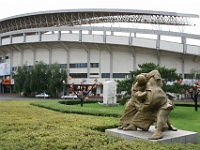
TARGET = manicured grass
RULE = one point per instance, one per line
(185, 118)
(24, 126)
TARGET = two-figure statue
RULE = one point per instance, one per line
(148, 104)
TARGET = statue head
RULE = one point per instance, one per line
(141, 79)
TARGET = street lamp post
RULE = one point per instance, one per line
(195, 91)
(64, 83)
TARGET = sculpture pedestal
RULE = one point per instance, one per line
(104, 104)
(180, 136)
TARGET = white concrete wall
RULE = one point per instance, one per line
(49, 37)
(69, 37)
(59, 56)
(171, 60)
(117, 39)
(18, 39)
(171, 46)
(171, 53)
(146, 56)
(105, 61)
(190, 64)
(122, 61)
(32, 38)
(16, 59)
(142, 42)
(193, 50)
(28, 57)
(42, 55)
(6, 41)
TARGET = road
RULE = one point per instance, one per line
(9, 96)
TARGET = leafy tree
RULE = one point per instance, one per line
(20, 77)
(40, 78)
(166, 74)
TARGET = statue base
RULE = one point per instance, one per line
(104, 104)
(179, 136)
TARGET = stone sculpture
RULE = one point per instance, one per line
(148, 104)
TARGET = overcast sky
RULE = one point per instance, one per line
(10, 8)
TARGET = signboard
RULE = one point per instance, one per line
(8, 82)
(5, 69)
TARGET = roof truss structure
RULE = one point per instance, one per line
(81, 17)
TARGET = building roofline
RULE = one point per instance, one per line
(102, 10)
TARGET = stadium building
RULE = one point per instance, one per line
(82, 42)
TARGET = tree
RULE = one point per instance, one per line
(40, 78)
(20, 77)
(166, 74)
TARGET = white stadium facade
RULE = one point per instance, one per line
(80, 42)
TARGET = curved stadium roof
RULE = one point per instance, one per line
(73, 17)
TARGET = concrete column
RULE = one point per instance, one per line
(88, 63)
(34, 57)
(89, 32)
(11, 63)
(80, 35)
(183, 67)
(59, 35)
(130, 38)
(104, 36)
(22, 57)
(111, 64)
(39, 36)
(11, 38)
(183, 40)
(158, 42)
(24, 37)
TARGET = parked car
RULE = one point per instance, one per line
(42, 95)
(69, 96)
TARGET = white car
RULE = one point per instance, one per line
(42, 95)
(69, 96)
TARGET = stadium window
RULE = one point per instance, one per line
(84, 65)
(78, 65)
(94, 74)
(121, 75)
(94, 65)
(198, 76)
(188, 76)
(62, 65)
(78, 75)
(105, 75)
(72, 65)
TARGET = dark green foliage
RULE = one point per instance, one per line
(68, 108)
(73, 102)
(145, 68)
(167, 75)
(41, 78)
(125, 85)
(124, 100)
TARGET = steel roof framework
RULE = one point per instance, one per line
(56, 19)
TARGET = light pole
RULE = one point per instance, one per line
(194, 94)
(64, 83)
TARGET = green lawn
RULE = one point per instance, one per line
(27, 127)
